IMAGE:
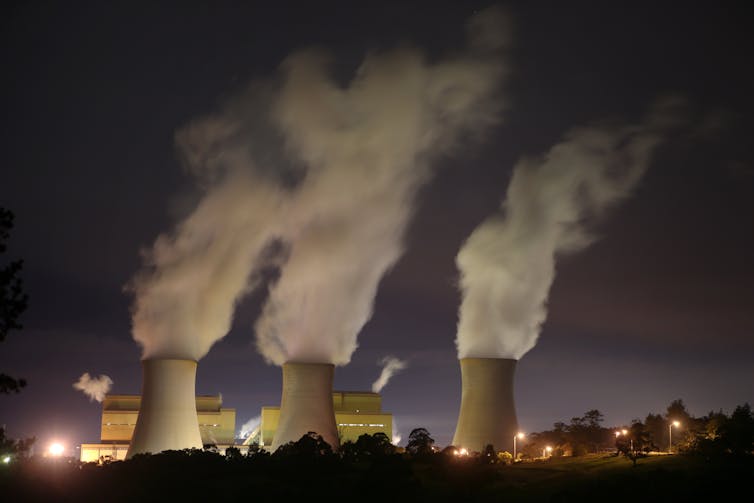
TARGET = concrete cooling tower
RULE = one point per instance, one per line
(488, 413)
(167, 417)
(307, 404)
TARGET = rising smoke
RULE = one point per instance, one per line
(94, 387)
(507, 264)
(390, 365)
(317, 180)
(368, 148)
(397, 437)
(249, 426)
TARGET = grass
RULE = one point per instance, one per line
(435, 479)
(614, 478)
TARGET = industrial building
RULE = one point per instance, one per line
(119, 414)
(356, 413)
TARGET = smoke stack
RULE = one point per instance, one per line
(167, 415)
(488, 413)
(307, 404)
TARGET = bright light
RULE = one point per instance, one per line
(548, 449)
(617, 434)
(625, 432)
(6, 459)
(56, 449)
(520, 435)
(463, 451)
(676, 424)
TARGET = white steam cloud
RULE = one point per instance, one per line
(94, 387)
(368, 148)
(396, 435)
(507, 264)
(391, 365)
(315, 179)
(249, 426)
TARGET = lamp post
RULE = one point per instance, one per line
(624, 432)
(670, 434)
(547, 451)
(517, 435)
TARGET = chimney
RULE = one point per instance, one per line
(307, 404)
(488, 413)
(167, 415)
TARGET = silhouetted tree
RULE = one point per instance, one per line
(9, 446)
(419, 442)
(310, 445)
(684, 434)
(585, 433)
(737, 432)
(13, 300)
(657, 427)
(254, 449)
(375, 445)
(488, 456)
(233, 454)
(367, 446)
(636, 443)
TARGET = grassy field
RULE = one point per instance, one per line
(598, 478)
(436, 479)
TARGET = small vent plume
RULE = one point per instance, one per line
(391, 365)
(249, 426)
(94, 387)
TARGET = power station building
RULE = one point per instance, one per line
(356, 413)
(217, 425)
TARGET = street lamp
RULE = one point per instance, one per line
(624, 432)
(670, 434)
(56, 449)
(547, 451)
(517, 435)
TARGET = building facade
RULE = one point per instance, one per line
(217, 425)
(356, 413)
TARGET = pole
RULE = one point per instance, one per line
(514, 448)
(670, 438)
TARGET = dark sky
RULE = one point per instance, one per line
(661, 307)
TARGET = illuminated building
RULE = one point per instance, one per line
(356, 413)
(120, 412)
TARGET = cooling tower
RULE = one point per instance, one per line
(307, 404)
(167, 416)
(488, 413)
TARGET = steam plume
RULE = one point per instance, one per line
(94, 387)
(249, 426)
(507, 264)
(368, 148)
(391, 365)
(396, 440)
(317, 179)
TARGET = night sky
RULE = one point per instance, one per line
(660, 307)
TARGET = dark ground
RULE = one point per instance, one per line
(205, 476)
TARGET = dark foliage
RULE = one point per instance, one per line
(420, 443)
(13, 300)
(308, 471)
